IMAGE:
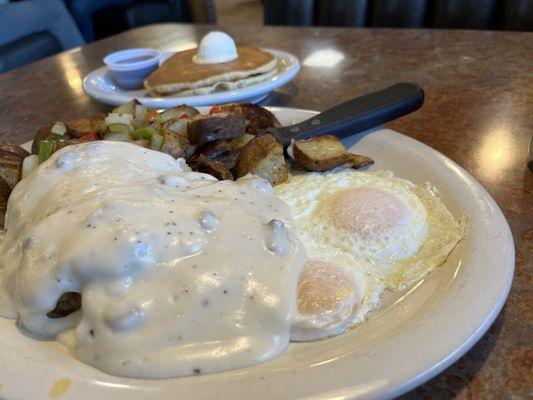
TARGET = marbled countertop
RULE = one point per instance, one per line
(478, 111)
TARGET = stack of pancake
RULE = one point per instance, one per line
(180, 75)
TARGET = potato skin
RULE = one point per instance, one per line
(14, 148)
(240, 142)
(5, 191)
(67, 303)
(179, 112)
(214, 127)
(174, 144)
(178, 126)
(319, 153)
(10, 167)
(202, 163)
(221, 151)
(357, 161)
(263, 156)
(323, 153)
(311, 164)
(257, 118)
(77, 128)
(127, 108)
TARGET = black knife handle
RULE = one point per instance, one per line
(358, 114)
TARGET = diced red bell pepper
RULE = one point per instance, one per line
(90, 137)
(215, 110)
(151, 116)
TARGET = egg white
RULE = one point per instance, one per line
(398, 230)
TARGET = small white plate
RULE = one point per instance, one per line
(100, 86)
(411, 338)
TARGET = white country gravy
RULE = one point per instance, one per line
(179, 274)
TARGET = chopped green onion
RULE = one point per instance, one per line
(46, 149)
(143, 133)
(157, 141)
(117, 127)
(48, 146)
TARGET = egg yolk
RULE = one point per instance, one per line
(367, 212)
(323, 287)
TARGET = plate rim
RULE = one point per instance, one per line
(473, 337)
(248, 92)
(489, 318)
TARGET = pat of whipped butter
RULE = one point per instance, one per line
(216, 47)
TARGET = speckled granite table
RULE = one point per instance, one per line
(478, 111)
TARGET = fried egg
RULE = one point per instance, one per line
(333, 294)
(398, 230)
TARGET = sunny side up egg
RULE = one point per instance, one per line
(385, 229)
(333, 294)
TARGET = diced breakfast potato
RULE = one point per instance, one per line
(142, 142)
(322, 153)
(67, 303)
(5, 191)
(10, 167)
(213, 127)
(127, 108)
(357, 161)
(263, 156)
(139, 112)
(174, 144)
(183, 111)
(221, 151)
(240, 142)
(82, 126)
(14, 148)
(202, 163)
(257, 118)
(231, 137)
(178, 126)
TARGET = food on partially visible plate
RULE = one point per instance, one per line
(80, 127)
(5, 191)
(232, 134)
(144, 268)
(257, 118)
(207, 128)
(223, 151)
(325, 152)
(217, 64)
(202, 163)
(177, 113)
(263, 156)
(14, 148)
(11, 169)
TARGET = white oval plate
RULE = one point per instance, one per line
(100, 86)
(413, 337)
